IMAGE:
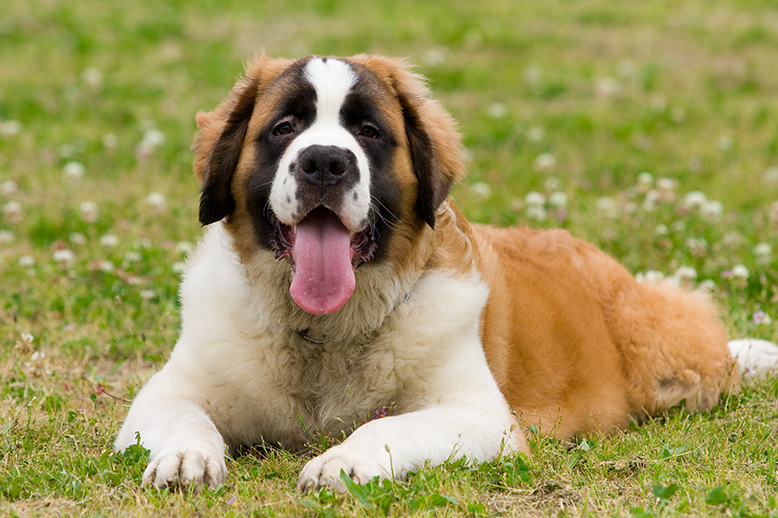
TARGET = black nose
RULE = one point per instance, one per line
(324, 165)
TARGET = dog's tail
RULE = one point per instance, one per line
(754, 356)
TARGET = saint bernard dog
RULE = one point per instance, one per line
(337, 282)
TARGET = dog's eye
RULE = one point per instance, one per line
(368, 131)
(284, 128)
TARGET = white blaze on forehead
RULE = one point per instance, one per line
(332, 81)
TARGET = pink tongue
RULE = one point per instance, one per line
(323, 277)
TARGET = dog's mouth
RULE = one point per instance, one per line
(323, 254)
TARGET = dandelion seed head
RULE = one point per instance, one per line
(26, 261)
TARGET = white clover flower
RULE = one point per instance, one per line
(607, 206)
(467, 155)
(626, 68)
(658, 104)
(64, 258)
(516, 204)
(697, 246)
(8, 187)
(435, 56)
(763, 251)
(533, 74)
(106, 266)
(184, 247)
(109, 240)
(558, 199)
(666, 184)
(156, 200)
(77, 238)
(92, 77)
(536, 212)
(686, 272)
(678, 226)
(74, 170)
(740, 272)
(178, 267)
(534, 198)
(695, 199)
(544, 162)
(646, 178)
(712, 210)
(536, 134)
(26, 261)
(109, 141)
(661, 230)
(10, 128)
(148, 294)
(694, 163)
(707, 285)
(649, 276)
(552, 183)
(152, 139)
(771, 174)
(13, 212)
(651, 201)
(607, 86)
(132, 257)
(726, 143)
(497, 110)
(6, 237)
(481, 190)
(88, 211)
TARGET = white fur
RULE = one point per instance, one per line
(239, 375)
(332, 79)
(754, 356)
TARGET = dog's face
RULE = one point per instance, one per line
(331, 162)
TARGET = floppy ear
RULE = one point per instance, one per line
(435, 149)
(217, 157)
(434, 141)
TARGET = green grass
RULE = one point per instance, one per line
(600, 91)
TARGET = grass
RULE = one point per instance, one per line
(97, 104)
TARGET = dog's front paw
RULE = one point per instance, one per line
(186, 467)
(324, 470)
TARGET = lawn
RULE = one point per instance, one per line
(649, 128)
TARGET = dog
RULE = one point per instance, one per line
(337, 282)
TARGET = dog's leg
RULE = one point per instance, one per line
(392, 446)
(186, 448)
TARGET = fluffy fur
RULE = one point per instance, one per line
(464, 334)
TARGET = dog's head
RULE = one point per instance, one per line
(327, 160)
